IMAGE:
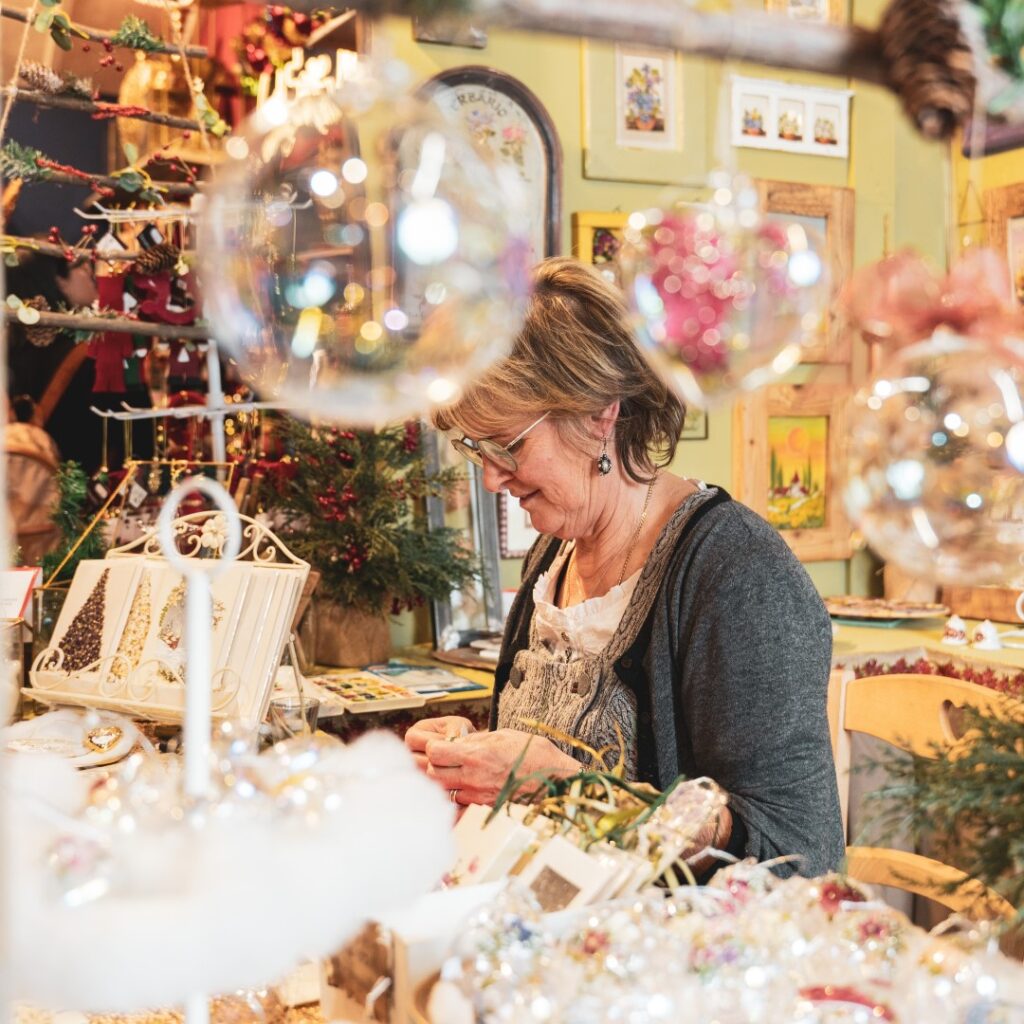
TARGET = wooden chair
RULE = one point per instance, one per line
(913, 713)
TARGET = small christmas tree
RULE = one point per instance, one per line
(70, 518)
(81, 641)
(136, 629)
(355, 512)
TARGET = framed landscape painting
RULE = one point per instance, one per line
(787, 445)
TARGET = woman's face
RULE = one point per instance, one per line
(553, 479)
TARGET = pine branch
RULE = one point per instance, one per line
(970, 804)
(31, 165)
(8, 243)
(91, 323)
(99, 109)
(129, 39)
(70, 518)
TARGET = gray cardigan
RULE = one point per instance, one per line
(730, 671)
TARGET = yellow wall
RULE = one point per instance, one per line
(899, 181)
(971, 179)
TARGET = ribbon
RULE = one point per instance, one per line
(900, 300)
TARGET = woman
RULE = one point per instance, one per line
(652, 606)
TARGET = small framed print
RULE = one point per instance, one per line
(1004, 216)
(515, 529)
(768, 114)
(646, 100)
(695, 425)
(597, 238)
(810, 10)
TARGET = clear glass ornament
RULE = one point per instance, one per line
(935, 463)
(724, 298)
(361, 258)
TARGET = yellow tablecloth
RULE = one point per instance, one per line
(856, 642)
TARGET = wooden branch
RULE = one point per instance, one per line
(47, 99)
(49, 249)
(96, 35)
(755, 36)
(112, 325)
(168, 188)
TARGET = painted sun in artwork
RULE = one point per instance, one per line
(797, 471)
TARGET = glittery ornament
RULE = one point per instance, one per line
(935, 464)
(362, 257)
(136, 630)
(723, 297)
(81, 641)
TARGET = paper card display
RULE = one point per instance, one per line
(16, 592)
(488, 851)
(94, 613)
(561, 876)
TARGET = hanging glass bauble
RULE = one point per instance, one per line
(362, 259)
(935, 464)
(724, 297)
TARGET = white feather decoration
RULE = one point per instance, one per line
(232, 899)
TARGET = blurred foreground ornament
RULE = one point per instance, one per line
(361, 259)
(935, 471)
(723, 297)
(144, 894)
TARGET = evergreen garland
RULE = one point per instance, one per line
(977, 795)
(135, 34)
(356, 513)
(71, 519)
(18, 161)
(1003, 24)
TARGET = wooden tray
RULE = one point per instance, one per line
(877, 608)
(467, 657)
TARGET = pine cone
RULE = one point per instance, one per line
(930, 64)
(40, 77)
(163, 256)
(40, 335)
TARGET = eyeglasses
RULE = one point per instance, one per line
(485, 448)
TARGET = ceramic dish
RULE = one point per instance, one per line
(66, 734)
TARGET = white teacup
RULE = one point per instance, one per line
(986, 637)
(955, 633)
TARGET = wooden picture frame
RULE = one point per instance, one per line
(1004, 225)
(814, 206)
(612, 151)
(818, 11)
(804, 496)
(695, 425)
(596, 237)
(506, 119)
(516, 533)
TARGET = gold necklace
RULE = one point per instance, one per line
(575, 576)
(636, 532)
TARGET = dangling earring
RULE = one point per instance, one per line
(604, 464)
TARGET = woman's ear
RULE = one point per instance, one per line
(604, 421)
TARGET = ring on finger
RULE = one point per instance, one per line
(452, 795)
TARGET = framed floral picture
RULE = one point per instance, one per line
(1004, 217)
(506, 120)
(826, 211)
(644, 115)
(596, 238)
(810, 10)
(787, 442)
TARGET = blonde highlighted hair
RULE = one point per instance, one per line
(574, 356)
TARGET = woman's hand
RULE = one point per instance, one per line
(474, 769)
(420, 733)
